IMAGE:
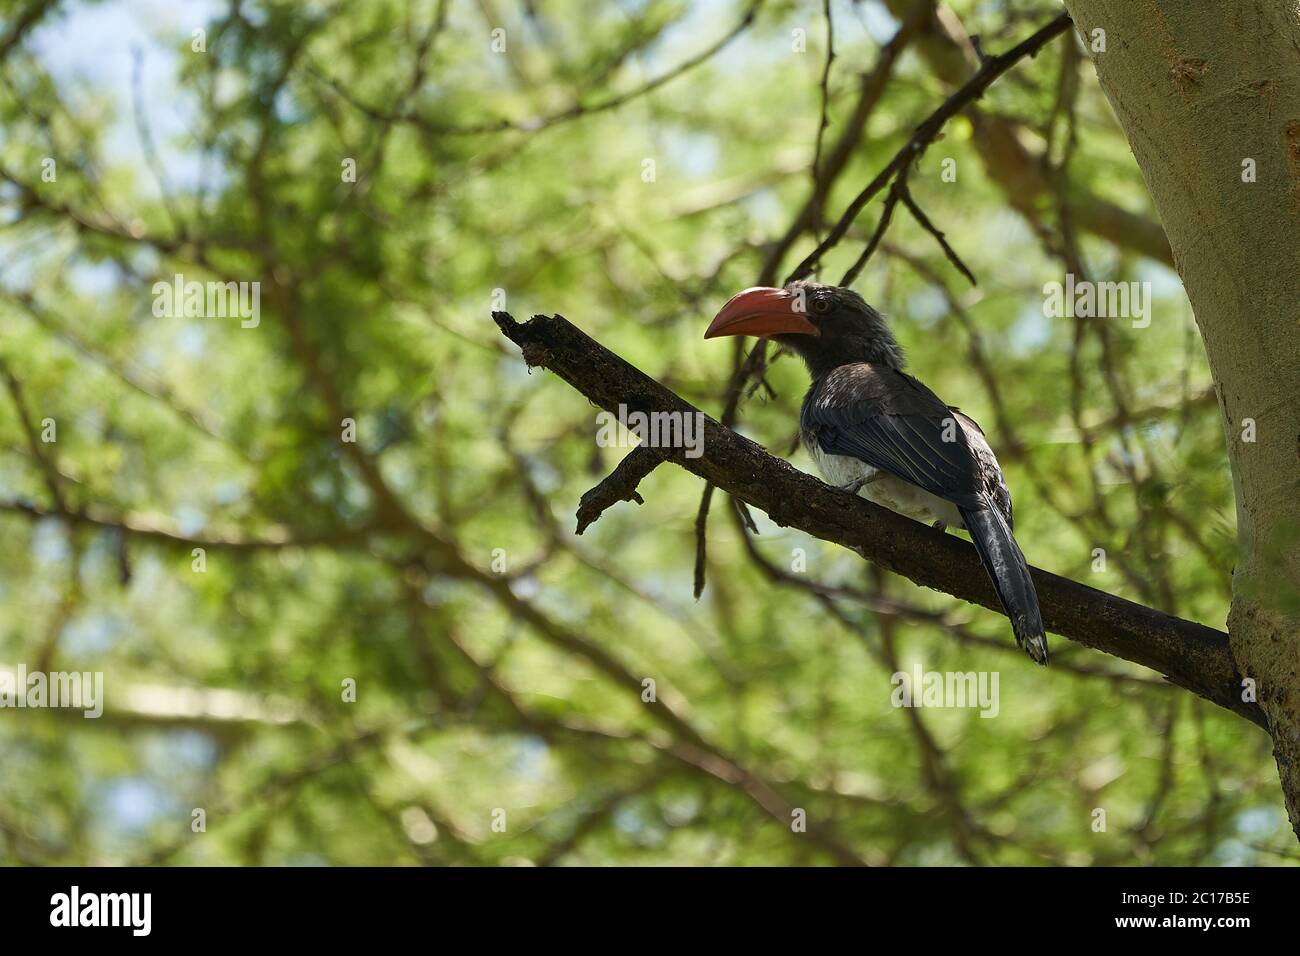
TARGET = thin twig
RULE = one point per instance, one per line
(926, 132)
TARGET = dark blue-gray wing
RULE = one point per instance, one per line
(891, 421)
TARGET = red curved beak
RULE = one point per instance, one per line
(761, 311)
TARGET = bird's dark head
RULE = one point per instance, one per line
(826, 325)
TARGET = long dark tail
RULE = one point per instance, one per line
(1006, 566)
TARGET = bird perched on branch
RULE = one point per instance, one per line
(874, 430)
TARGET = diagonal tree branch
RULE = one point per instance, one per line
(1188, 654)
(25, 23)
(1014, 165)
(925, 133)
(618, 485)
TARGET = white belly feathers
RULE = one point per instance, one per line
(886, 490)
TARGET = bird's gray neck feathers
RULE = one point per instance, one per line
(875, 345)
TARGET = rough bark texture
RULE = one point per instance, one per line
(1200, 88)
(1188, 654)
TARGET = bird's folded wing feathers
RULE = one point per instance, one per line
(891, 421)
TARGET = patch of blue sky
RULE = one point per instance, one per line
(131, 804)
(90, 52)
(190, 520)
(91, 634)
(178, 750)
(1031, 331)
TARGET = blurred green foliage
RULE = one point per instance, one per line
(475, 691)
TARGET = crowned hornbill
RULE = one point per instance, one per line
(875, 430)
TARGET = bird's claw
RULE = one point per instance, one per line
(857, 484)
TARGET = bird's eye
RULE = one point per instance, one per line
(820, 306)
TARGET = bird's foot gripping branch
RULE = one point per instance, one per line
(1186, 653)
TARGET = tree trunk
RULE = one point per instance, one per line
(1206, 94)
